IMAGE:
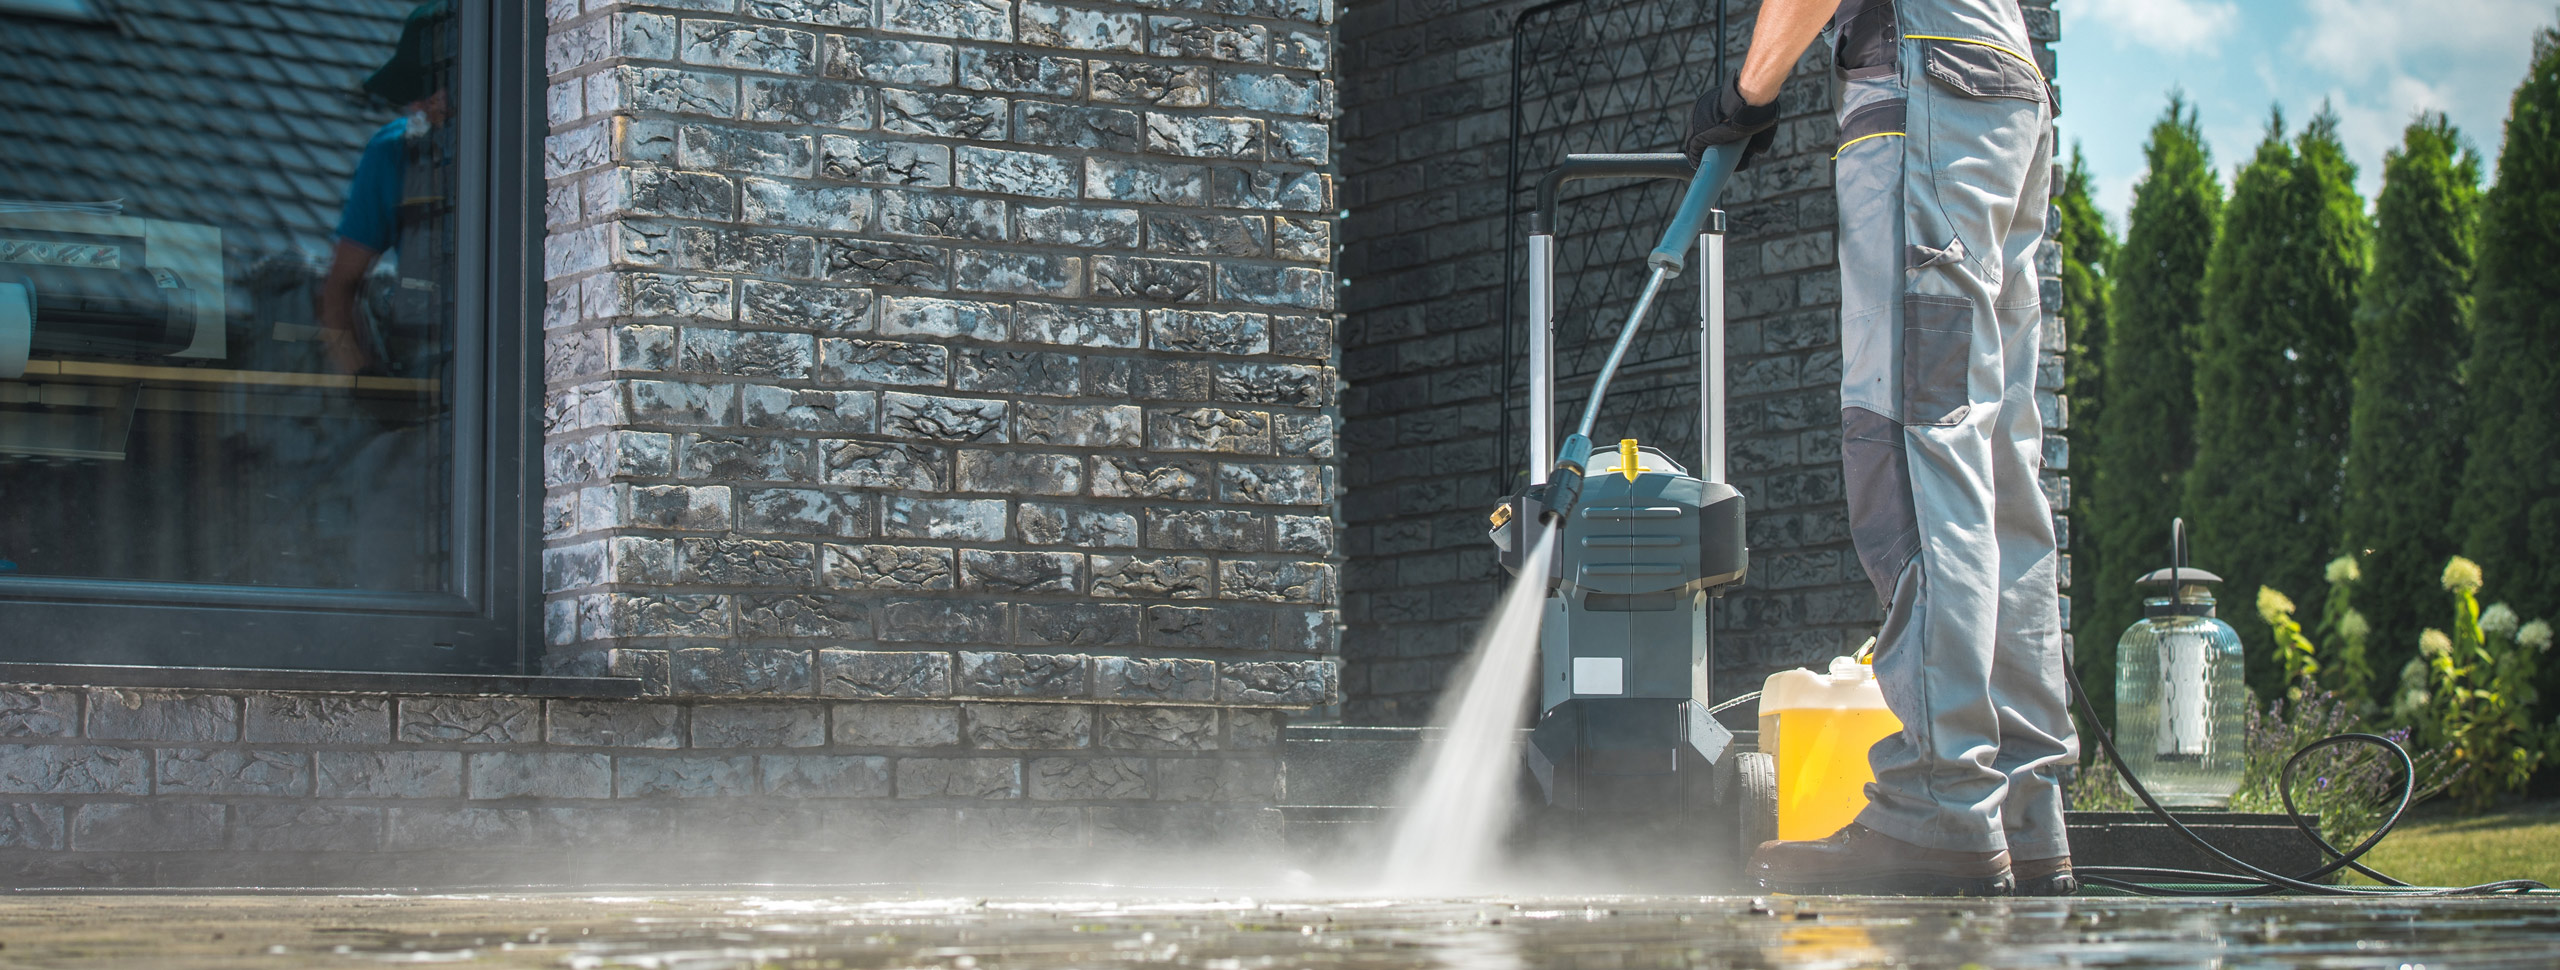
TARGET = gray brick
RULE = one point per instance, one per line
(931, 317)
(876, 673)
(870, 464)
(1192, 234)
(1216, 780)
(1210, 430)
(1273, 484)
(718, 43)
(755, 725)
(667, 89)
(786, 356)
(825, 776)
(1208, 628)
(943, 621)
(1285, 286)
(825, 13)
(1179, 479)
(1088, 779)
(888, 61)
(942, 115)
(747, 562)
(790, 409)
(539, 774)
(1151, 578)
(843, 360)
(74, 769)
(1028, 727)
(1065, 126)
(232, 771)
(1021, 473)
(470, 720)
(1022, 675)
(1194, 331)
(162, 716)
(1300, 49)
(643, 614)
(1300, 683)
(1152, 280)
(940, 216)
(146, 827)
(1191, 39)
(317, 719)
(1277, 582)
(1229, 530)
(968, 520)
(1304, 436)
(387, 774)
(870, 262)
(1016, 173)
(39, 712)
(959, 778)
(874, 566)
(287, 827)
(1021, 72)
(1028, 274)
(1060, 626)
(1303, 239)
(1076, 425)
(1160, 728)
(1305, 143)
(680, 403)
(824, 308)
(1254, 730)
(1285, 94)
(1078, 28)
(1156, 183)
(805, 511)
(1125, 678)
(969, 19)
(1076, 326)
(804, 615)
(735, 671)
(1203, 137)
(30, 825)
(1084, 228)
(834, 208)
(1083, 527)
(884, 161)
(874, 724)
(997, 571)
(1149, 82)
(722, 148)
(683, 776)
(447, 827)
(1312, 534)
(745, 458)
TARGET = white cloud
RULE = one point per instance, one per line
(2173, 26)
(2356, 39)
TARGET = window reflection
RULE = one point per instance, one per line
(227, 316)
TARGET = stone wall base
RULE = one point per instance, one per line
(113, 787)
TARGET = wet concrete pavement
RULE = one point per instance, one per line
(1083, 927)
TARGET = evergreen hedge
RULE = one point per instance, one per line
(2144, 436)
(2508, 516)
(2271, 383)
(2405, 448)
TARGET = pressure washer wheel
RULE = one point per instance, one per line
(1758, 806)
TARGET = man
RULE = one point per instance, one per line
(1944, 161)
(383, 198)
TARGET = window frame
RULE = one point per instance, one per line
(490, 622)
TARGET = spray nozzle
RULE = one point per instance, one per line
(1564, 485)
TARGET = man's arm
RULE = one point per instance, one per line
(1778, 40)
(335, 306)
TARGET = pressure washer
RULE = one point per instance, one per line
(1623, 728)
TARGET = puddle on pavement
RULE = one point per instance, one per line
(714, 931)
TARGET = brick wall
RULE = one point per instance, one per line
(949, 341)
(1426, 88)
(121, 787)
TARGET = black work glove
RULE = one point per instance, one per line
(1722, 117)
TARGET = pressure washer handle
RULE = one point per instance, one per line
(1704, 188)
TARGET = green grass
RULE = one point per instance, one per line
(2451, 848)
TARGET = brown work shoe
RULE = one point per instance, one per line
(2044, 877)
(1862, 861)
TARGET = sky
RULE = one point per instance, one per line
(2377, 63)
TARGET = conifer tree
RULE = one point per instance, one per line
(2508, 515)
(2271, 374)
(2080, 231)
(2144, 438)
(2405, 448)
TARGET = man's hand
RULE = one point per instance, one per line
(1723, 116)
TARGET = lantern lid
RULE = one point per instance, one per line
(2176, 576)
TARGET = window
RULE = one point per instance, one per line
(262, 297)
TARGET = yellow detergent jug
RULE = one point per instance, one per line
(1818, 727)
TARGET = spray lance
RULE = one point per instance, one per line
(1556, 499)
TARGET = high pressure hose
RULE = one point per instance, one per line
(1564, 484)
(2257, 881)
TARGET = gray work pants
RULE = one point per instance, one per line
(1943, 174)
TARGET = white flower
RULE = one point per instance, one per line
(2499, 621)
(2434, 643)
(2343, 570)
(2536, 634)
(2462, 575)
(2272, 604)
(2353, 626)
